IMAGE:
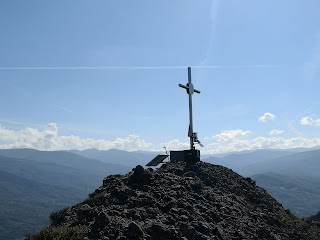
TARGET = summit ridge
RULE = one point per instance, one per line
(181, 201)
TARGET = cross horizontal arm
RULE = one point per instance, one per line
(183, 86)
(186, 87)
(197, 91)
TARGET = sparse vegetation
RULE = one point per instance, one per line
(57, 216)
(291, 218)
(61, 233)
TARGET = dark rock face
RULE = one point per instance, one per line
(315, 217)
(180, 201)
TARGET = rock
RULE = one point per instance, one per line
(85, 213)
(184, 201)
(136, 216)
(187, 230)
(138, 170)
(103, 217)
(134, 231)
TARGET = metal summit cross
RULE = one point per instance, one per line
(188, 156)
(190, 90)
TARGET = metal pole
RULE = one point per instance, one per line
(190, 107)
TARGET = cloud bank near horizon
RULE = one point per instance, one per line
(48, 139)
(223, 142)
(241, 140)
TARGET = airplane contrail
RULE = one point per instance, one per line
(19, 123)
(138, 67)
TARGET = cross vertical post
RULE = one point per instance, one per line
(190, 90)
(190, 133)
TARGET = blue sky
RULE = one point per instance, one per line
(105, 74)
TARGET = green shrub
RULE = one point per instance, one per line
(62, 233)
(291, 218)
(57, 217)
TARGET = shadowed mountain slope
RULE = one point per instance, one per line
(303, 164)
(26, 204)
(291, 178)
(178, 201)
(316, 217)
(301, 195)
(35, 183)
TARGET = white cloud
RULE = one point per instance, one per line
(132, 142)
(7, 135)
(176, 145)
(275, 132)
(214, 10)
(230, 135)
(266, 117)
(306, 121)
(48, 139)
(309, 121)
(262, 143)
(241, 140)
(225, 141)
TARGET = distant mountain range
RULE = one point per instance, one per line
(114, 156)
(291, 177)
(35, 183)
(300, 195)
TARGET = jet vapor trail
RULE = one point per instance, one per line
(138, 67)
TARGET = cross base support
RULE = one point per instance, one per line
(189, 156)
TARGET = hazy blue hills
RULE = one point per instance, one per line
(64, 158)
(304, 164)
(34, 183)
(115, 156)
(239, 162)
(292, 178)
(26, 204)
(301, 195)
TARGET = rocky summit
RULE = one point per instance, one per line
(179, 201)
